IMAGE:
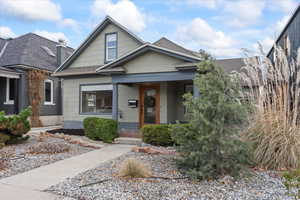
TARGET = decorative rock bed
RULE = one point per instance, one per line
(25, 158)
(259, 186)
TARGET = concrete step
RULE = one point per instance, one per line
(128, 140)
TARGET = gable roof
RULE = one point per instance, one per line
(107, 20)
(149, 47)
(168, 44)
(295, 13)
(29, 50)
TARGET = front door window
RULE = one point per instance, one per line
(149, 106)
(149, 109)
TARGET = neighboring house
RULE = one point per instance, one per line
(115, 74)
(289, 38)
(26, 52)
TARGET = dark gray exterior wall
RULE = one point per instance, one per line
(8, 109)
(292, 30)
(22, 100)
(55, 109)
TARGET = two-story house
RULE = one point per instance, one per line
(115, 74)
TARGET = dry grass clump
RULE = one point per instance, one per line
(48, 148)
(132, 168)
(5, 156)
(274, 124)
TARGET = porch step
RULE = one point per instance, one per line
(128, 140)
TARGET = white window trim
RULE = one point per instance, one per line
(7, 101)
(92, 88)
(107, 47)
(52, 92)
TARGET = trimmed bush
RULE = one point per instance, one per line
(100, 129)
(12, 128)
(157, 134)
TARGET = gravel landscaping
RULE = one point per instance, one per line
(259, 186)
(23, 161)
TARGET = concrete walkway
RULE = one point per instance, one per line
(29, 185)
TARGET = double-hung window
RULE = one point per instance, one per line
(48, 92)
(110, 47)
(96, 99)
(10, 91)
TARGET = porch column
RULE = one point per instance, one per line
(115, 105)
(196, 91)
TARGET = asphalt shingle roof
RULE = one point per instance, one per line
(28, 50)
(168, 44)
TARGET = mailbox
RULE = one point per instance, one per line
(132, 103)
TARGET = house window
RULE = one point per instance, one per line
(96, 99)
(10, 91)
(48, 92)
(286, 45)
(110, 46)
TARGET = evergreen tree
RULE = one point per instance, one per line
(210, 147)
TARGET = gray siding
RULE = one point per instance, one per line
(152, 62)
(22, 100)
(8, 109)
(56, 108)
(95, 52)
(71, 97)
(293, 33)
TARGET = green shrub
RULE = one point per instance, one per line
(12, 128)
(3, 121)
(18, 124)
(292, 183)
(157, 134)
(210, 146)
(100, 129)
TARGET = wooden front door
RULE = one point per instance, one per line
(149, 104)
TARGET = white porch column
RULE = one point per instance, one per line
(115, 105)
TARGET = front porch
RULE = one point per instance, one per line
(153, 98)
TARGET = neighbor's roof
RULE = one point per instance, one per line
(30, 50)
(229, 65)
(168, 44)
(295, 13)
(107, 20)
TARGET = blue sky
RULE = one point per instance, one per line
(221, 27)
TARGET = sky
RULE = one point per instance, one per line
(221, 27)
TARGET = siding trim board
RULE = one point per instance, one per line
(153, 77)
(145, 48)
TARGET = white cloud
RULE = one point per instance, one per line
(35, 10)
(6, 32)
(205, 3)
(55, 36)
(199, 34)
(243, 12)
(70, 23)
(124, 11)
(32, 9)
(266, 44)
(286, 6)
(281, 24)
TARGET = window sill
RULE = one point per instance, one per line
(49, 104)
(95, 114)
(9, 103)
